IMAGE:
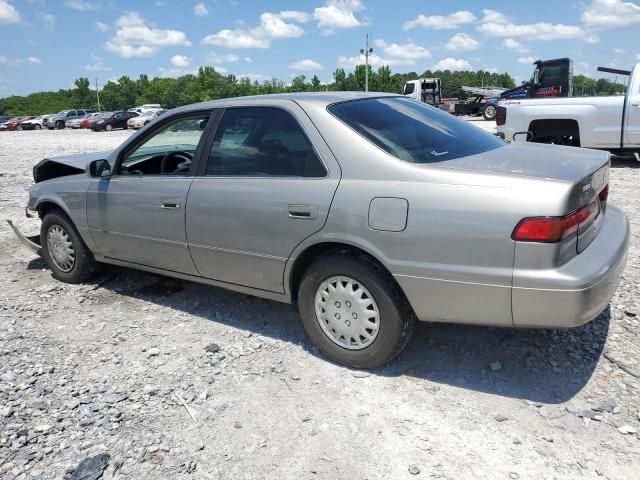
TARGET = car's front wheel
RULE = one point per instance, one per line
(353, 311)
(37, 126)
(59, 125)
(62, 247)
(108, 127)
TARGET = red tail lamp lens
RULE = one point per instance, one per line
(501, 115)
(604, 193)
(552, 229)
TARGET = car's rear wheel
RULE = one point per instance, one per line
(108, 127)
(353, 311)
(59, 125)
(62, 247)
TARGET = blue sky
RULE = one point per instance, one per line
(46, 44)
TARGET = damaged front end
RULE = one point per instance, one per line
(65, 165)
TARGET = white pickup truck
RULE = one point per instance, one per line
(609, 123)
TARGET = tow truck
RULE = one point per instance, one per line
(550, 79)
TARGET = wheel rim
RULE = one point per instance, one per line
(490, 111)
(60, 248)
(108, 128)
(347, 313)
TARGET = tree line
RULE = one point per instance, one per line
(208, 84)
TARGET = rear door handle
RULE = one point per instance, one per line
(306, 212)
(171, 203)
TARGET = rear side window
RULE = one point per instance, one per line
(262, 141)
(413, 131)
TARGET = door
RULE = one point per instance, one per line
(138, 214)
(632, 124)
(266, 185)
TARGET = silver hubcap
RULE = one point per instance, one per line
(347, 312)
(61, 248)
(491, 111)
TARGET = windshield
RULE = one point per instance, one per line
(413, 131)
(63, 112)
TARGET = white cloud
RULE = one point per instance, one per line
(200, 10)
(176, 72)
(19, 61)
(181, 61)
(248, 59)
(441, 22)
(337, 14)
(452, 64)
(8, 13)
(619, 51)
(216, 58)
(611, 13)
(272, 26)
(255, 77)
(462, 41)
(527, 60)
(638, 57)
(495, 24)
(49, 21)
(490, 69)
(134, 38)
(101, 27)
(306, 64)
(97, 65)
(220, 69)
(512, 44)
(81, 5)
(392, 54)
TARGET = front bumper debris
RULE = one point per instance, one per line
(32, 243)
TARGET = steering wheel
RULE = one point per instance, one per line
(167, 167)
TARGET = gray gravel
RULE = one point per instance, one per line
(177, 380)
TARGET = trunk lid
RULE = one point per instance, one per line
(554, 162)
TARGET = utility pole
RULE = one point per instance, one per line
(366, 51)
(97, 93)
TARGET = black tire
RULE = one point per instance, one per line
(489, 112)
(396, 316)
(84, 265)
(37, 126)
(59, 125)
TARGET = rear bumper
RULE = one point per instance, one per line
(578, 291)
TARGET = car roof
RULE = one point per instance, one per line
(316, 98)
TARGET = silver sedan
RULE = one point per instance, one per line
(368, 210)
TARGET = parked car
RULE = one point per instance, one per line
(35, 123)
(367, 210)
(116, 120)
(77, 122)
(14, 123)
(146, 109)
(142, 120)
(610, 123)
(3, 125)
(88, 120)
(58, 120)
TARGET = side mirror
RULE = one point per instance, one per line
(99, 169)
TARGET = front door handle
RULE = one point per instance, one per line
(305, 212)
(171, 203)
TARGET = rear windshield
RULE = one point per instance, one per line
(413, 131)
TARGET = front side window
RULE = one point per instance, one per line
(409, 88)
(413, 131)
(262, 141)
(168, 150)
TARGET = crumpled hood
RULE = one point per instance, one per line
(65, 165)
(534, 160)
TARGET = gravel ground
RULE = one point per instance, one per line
(176, 380)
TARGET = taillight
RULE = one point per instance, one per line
(501, 115)
(604, 193)
(553, 229)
